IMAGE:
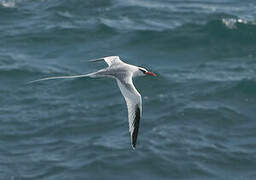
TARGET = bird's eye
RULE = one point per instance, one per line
(142, 70)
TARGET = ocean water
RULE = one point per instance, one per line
(198, 113)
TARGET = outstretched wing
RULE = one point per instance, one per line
(133, 101)
(110, 60)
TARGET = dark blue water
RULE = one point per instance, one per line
(198, 113)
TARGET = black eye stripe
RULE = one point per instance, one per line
(142, 70)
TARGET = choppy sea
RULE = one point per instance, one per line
(198, 113)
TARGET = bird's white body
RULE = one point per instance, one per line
(123, 73)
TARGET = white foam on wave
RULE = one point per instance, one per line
(231, 23)
(65, 14)
(147, 4)
(8, 4)
(193, 12)
(123, 23)
(61, 25)
(130, 24)
(158, 25)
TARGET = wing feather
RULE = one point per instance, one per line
(133, 101)
(136, 125)
(110, 60)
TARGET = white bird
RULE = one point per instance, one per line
(123, 73)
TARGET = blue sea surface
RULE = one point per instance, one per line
(198, 113)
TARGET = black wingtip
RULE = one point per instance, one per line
(95, 60)
(133, 145)
(136, 126)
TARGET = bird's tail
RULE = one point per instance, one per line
(62, 77)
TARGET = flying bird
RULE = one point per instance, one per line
(123, 73)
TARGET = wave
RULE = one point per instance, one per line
(243, 89)
(217, 34)
(8, 4)
(24, 70)
(220, 29)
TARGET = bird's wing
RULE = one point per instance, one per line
(110, 60)
(133, 101)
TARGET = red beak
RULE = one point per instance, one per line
(150, 73)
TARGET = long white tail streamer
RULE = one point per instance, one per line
(60, 77)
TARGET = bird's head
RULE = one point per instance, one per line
(142, 72)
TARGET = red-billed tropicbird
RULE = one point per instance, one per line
(123, 73)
